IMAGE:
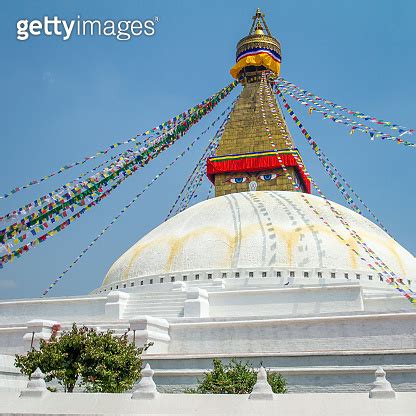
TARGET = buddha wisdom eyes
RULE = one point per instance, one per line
(240, 179)
(264, 177)
(268, 176)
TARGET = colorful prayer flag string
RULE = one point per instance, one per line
(192, 192)
(125, 208)
(391, 277)
(167, 124)
(94, 188)
(338, 118)
(358, 114)
(210, 191)
(55, 194)
(74, 196)
(390, 280)
(269, 134)
(284, 132)
(188, 192)
(181, 130)
(329, 166)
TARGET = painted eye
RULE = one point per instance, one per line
(268, 176)
(241, 179)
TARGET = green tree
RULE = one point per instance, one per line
(235, 378)
(110, 364)
(101, 362)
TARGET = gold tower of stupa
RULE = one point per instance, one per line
(245, 158)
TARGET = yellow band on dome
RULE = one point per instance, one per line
(261, 59)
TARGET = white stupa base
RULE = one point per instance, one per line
(321, 335)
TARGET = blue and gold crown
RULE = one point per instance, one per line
(258, 49)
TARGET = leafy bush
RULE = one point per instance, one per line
(235, 378)
(100, 362)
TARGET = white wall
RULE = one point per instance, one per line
(353, 332)
(60, 309)
(10, 377)
(319, 404)
(286, 301)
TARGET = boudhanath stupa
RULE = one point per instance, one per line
(263, 271)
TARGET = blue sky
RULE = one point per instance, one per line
(62, 101)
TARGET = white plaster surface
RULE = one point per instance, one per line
(254, 230)
(298, 300)
(318, 404)
(148, 329)
(10, 377)
(343, 332)
(248, 318)
(63, 308)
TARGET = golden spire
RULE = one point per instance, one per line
(246, 157)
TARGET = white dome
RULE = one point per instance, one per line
(258, 230)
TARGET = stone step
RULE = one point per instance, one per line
(153, 313)
(160, 304)
(172, 302)
(167, 292)
(166, 304)
(158, 298)
(153, 308)
(156, 314)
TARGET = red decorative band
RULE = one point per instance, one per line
(255, 164)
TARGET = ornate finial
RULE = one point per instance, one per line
(259, 49)
(259, 23)
(382, 388)
(146, 389)
(262, 389)
(259, 29)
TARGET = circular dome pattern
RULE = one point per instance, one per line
(265, 229)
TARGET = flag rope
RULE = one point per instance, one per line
(390, 277)
(10, 256)
(358, 114)
(208, 150)
(125, 208)
(330, 167)
(174, 121)
(342, 119)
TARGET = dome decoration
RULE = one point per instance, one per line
(263, 230)
(258, 48)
